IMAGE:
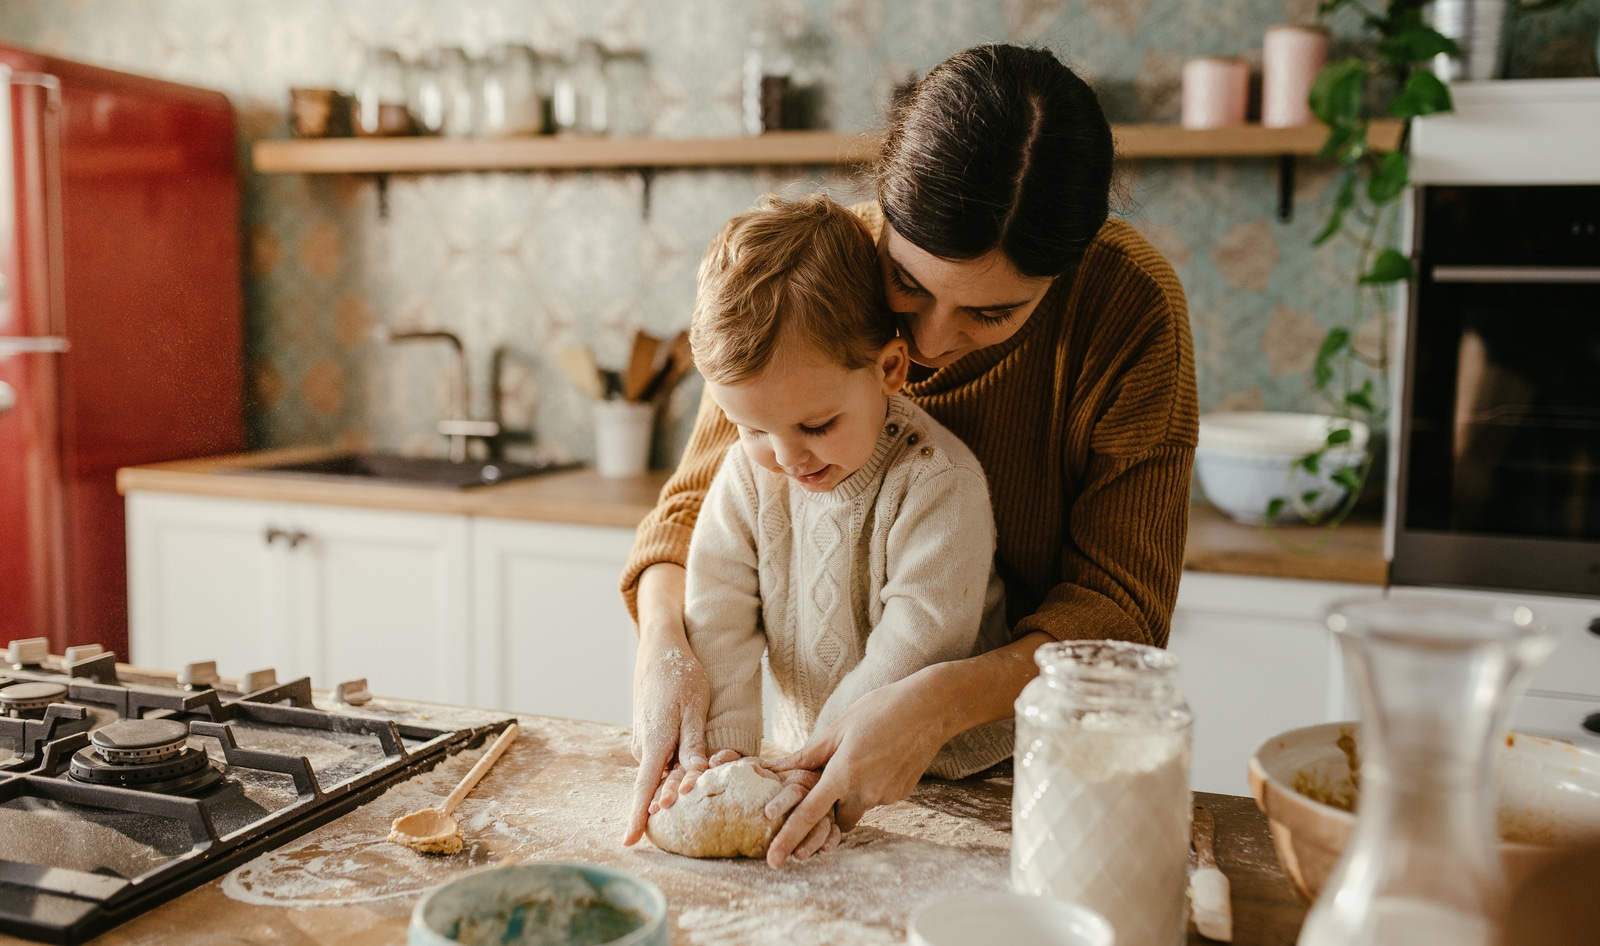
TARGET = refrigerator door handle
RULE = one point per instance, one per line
(33, 345)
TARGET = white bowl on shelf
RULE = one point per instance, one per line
(1248, 458)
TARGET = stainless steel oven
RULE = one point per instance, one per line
(1498, 477)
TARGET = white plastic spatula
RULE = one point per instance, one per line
(434, 830)
(1209, 898)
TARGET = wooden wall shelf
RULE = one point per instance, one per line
(424, 155)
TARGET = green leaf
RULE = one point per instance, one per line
(1338, 141)
(1342, 202)
(1350, 478)
(1337, 92)
(1338, 435)
(1363, 398)
(1275, 507)
(1423, 94)
(1390, 178)
(1390, 266)
(1309, 497)
(1322, 370)
(1416, 42)
(1311, 462)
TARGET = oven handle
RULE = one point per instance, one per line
(1517, 274)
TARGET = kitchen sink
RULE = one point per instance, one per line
(430, 472)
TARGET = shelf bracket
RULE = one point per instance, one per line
(1285, 188)
(647, 177)
(383, 196)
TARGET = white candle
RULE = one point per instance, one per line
(1291, 57)
(1215, 92)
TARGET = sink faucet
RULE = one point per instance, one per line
(458, 427)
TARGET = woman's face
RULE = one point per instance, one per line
(949, 308)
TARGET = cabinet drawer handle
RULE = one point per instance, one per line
(1592, 722)
(1594, 626)
(294, 537)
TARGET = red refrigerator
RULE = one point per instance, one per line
(121, 323)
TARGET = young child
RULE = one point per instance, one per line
(847, 534)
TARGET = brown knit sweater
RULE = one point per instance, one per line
(1085, 421)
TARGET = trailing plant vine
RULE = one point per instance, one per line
(1365, 211)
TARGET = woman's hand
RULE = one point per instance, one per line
(873, 754)
(824, 836)
(670, 697)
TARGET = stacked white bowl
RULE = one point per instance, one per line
(1248, 458)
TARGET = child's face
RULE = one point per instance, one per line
(811, 419)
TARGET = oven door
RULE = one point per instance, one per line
(1499, 482)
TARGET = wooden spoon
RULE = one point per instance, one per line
(434, 830)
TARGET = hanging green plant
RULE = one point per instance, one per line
(1365, 211)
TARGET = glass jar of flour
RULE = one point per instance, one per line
(1101, 810)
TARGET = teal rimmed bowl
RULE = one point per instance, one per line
(542, 903)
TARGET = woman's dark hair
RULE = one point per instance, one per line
(998, 147)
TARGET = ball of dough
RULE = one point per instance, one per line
(722, 816)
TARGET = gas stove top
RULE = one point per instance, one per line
(121, 790)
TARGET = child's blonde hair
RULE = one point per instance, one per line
(805, 270)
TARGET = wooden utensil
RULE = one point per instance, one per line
(641, 365)
(434, 830)
(579, 366)
(1209, 897)
(677, 363)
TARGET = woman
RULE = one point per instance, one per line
(1055, 343)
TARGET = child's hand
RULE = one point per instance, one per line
(823, 836)
(681, 779)
(669, 717)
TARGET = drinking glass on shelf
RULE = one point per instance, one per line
(627, 93)
(443, 95)
(511, 101)
(580, 99)
(380, 96)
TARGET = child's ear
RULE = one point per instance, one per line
(894, 361)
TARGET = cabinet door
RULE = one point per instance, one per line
(382, 595)
(552, 635)
(206, 582)
(1255, 660)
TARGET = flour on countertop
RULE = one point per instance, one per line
(563, 794)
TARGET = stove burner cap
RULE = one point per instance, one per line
(137, 741)
(29, 698)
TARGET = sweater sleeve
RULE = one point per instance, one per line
(1123, 553)
(664, 534)
(722, 608)
(940, 552)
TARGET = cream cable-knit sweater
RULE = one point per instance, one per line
(889, 572)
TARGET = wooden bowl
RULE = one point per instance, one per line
(1548, 794)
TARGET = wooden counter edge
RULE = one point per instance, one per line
(575, 497)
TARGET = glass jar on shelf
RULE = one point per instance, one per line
(1101, 809)
(627, 93)
(510, 99)
(380, 96)
(580, 100)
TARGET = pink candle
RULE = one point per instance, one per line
(1291, 57)
(1215, 92)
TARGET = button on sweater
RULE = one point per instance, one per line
(846, 590)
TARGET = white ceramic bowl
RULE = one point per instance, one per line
(478, 907)
(982, 919)
(1247, 458)
(1548, 793)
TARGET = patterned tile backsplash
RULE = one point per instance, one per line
(528, 263)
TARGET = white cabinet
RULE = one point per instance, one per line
(495, 613)
(1255, 659)
(329, 592)
(551, 635)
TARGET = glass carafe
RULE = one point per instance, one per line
(1101, 806)
(1436, 681)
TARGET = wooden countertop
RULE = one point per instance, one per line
(560, 793)
(1351, 553)
(578, 496)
